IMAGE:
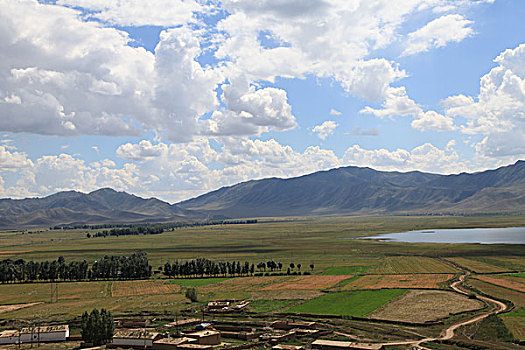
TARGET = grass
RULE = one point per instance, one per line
(197, 282)
(358, 303)
(266, 306)
(346, 270)
(492, 328)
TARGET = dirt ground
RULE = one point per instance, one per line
(13, 307)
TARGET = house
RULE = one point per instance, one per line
(136, 338)
(191, 346)
(344, 345)
(9, 337)
(183, 323)
(287, 347)
(133, 323)
(171, 343)
(44, 334)
(206, 337)
(226, 306)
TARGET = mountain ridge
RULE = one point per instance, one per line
(340, 191)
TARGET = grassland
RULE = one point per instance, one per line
(358, 303)
(318, 241)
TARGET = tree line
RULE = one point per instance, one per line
(201, 267)
(109, 267)
(143, 228)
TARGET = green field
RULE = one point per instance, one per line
(346, 270)
(359, 303)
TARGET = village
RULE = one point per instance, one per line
(193, 333)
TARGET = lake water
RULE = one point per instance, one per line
(505, 235)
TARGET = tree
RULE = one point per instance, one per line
(97, 327)
(292, 266)
(191, 293)
(299, 267)
(312, 266)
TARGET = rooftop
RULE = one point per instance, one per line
(347, 344)
(45, 329)
(136, 333)
(203, 333)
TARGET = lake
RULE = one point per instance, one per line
(500, 235)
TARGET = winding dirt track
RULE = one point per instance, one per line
(448, 332)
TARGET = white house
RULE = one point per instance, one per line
(43, 334)
(137, 338)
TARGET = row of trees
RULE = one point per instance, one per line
(109, 267)
(130, 231)
(165, 226)
(205, 267)
(97, 327)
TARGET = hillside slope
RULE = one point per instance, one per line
(353, 190)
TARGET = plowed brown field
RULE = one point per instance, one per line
(129, 288)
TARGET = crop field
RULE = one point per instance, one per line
(510, 282)
(131, 288)
(425, 305)
(518, 298)
(319, 241)
(357, 303)
(346, 270)
(308, 282)
(477, 265)
(409, 281)
(515, 322)
(412, 264)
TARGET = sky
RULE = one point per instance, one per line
(176, 98)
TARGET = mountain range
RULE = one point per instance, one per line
(342, 191)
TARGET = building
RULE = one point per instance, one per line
(171, 343)
(191, 346)
(206, 337)
(42, 334)
(135, 338)
(344, 345)
(9, 337)
(226, 306)
(183, 323)
(287, 347)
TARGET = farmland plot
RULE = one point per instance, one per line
(510, 282)
(130, 288)
(308, 282)
(476, 265)
(356, 303)
(425, 305)
(412, 264)
(411, 281)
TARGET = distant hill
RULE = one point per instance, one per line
(342, 191)
(355, 190)
(102, 206)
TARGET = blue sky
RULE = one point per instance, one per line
(175, 98)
